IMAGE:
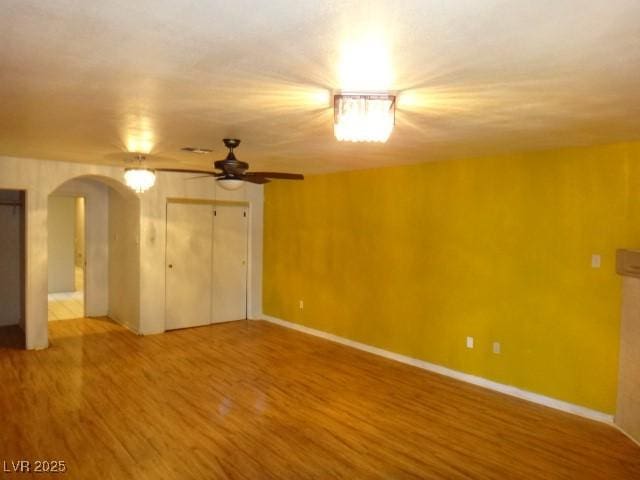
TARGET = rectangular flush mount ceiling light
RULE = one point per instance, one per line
(363, 117)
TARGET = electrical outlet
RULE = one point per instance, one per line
(595, 261)
(496, 347)
(301, 304)
(469, 342)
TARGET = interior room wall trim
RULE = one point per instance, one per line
(465, 377)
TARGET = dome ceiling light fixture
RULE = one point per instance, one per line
(363, 117)
(139, 178)
(230, 183)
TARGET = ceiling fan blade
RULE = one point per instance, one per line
(184, 170)
(254, 179)
(280, 175)
(201, 176)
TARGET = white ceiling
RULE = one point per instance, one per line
(85, 81)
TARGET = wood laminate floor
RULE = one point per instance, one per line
(254, 400)
(65, 306)
(11, 337)
(68, 305)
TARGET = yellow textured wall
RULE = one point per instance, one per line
(413, 259)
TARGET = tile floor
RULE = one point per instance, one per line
(67, 305)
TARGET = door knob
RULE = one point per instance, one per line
(171, 265)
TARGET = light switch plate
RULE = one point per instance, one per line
(595, 261)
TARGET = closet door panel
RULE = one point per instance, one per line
(229, 264)
(188, 265)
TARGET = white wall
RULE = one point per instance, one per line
(40, 178)
(96, 195)
(10, 258)
(61, 225)
(124, 259)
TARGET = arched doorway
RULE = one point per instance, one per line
(101, 259)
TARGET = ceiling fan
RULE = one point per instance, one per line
(233, 172)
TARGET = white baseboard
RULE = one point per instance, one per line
(634, 440)
(123, 324)
(465, 377)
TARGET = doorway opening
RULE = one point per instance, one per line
(12, 272)
(94, 247)
(66, 251)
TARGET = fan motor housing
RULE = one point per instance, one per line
(231, 166)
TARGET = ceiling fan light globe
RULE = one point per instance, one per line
(230, 183)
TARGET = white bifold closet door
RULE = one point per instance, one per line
(206, 264)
